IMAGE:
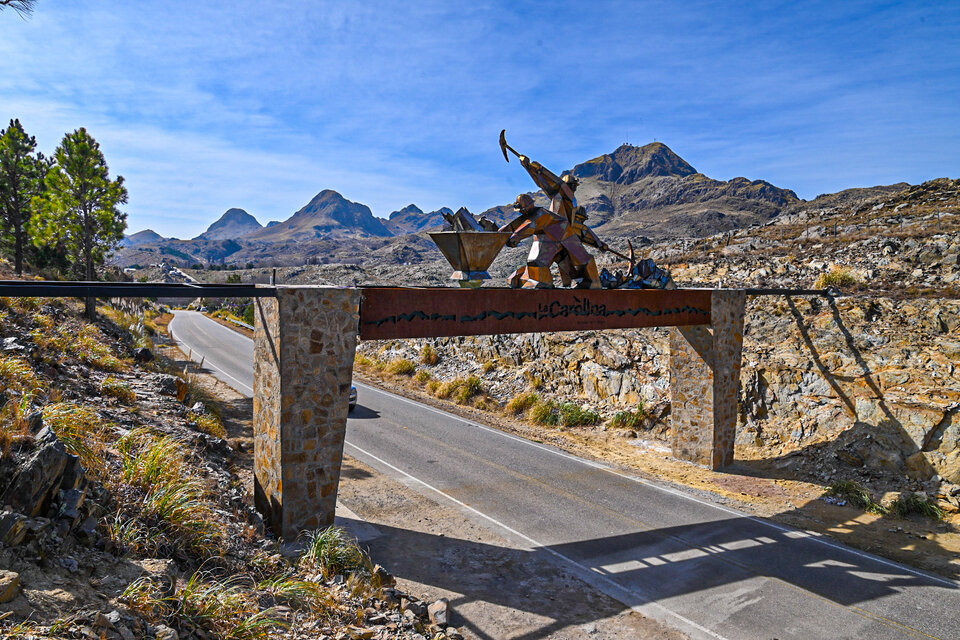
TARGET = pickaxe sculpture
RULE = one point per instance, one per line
(505, 147)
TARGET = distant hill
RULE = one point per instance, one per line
(233, 224)
(411, 219)
(147, 236)
(327, 215)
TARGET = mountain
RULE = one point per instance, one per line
(411, 219)
(650, 190)
(147, 236)
(233, 224)
(628, 164)
(327, 215)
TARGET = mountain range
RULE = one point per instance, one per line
(647, 191)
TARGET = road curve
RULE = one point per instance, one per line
(703, 568)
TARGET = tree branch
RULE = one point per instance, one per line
(23, 7)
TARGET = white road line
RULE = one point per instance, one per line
(813, 535)
(207, 362)
(594, 575)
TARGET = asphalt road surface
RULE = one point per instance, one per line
(702, 568)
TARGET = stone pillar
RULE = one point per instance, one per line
(705, 382)
(304, 343)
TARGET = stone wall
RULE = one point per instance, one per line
(304, 346)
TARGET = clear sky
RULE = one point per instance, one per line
(203, 106)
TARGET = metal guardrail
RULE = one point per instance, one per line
(53, 288)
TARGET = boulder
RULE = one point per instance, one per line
(439, 612)
(9, 585)
(12, 528)
(39, 478)
(143, 355)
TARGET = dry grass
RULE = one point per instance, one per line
(429, 355)
(82, 432)
(521, 403)
(836, 277)
(20, 385)
(401, 367)
(209, 423)
(174, 499)
(116, 388)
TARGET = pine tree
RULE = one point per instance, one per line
(21, 179)
(78, 210)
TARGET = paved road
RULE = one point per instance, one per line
(703, 568)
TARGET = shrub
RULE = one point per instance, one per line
(401, 367)
(429, 355)
(423, 376)
(82, 432)
(468, 389)
(446, 389)
(362, 360)
(209, 423)
(836, 277)
(629, 419)
(573, 415)
(333, 552)
(489, 366)
(916, 502)
(545, 413)
(111, 386)
(521, 403)
(857, 495)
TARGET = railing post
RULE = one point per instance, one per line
(304, 344)
(705, 365)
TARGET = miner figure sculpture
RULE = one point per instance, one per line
(559, 233)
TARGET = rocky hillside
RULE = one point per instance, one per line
(126, 503)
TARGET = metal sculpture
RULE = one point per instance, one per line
(559, 233)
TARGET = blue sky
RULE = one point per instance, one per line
(206, 106)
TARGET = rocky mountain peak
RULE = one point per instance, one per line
(234, 223)
(410, 209)
(327, 214)
(628, 163)
(147, 236)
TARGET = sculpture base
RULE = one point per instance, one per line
(470, 279)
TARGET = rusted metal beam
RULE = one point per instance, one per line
(387, 313)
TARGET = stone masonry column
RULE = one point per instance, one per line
(304, 344)
(705, 382)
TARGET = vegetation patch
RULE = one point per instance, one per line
(429, 355)
(521, 403)
(630, 419)
(116, 388)
(836, 277)
(916, 502)
(401, 367)
(857, 495)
